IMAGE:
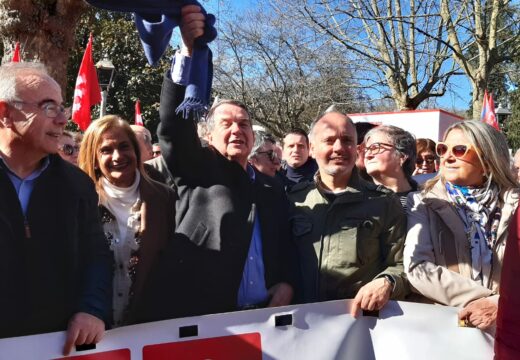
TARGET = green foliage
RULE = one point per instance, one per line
(115, 36)
(512, 128)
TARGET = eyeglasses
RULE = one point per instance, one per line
(271, 155)
(458, 151)
(427, 159)
(69, 150)
(50, 109)
(378, 148)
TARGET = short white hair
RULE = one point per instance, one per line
(10, 74)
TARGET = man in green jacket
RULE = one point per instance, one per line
(349, 233)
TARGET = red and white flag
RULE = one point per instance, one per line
(138, 118)
(488, 111)
(16, 53)
(87, 91)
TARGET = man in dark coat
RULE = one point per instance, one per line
(55, 271)
(298, 166)
(232, 244)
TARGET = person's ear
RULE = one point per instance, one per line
(403, 159)
(5, 119)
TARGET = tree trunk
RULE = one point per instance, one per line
(45, 30)
(477, 100)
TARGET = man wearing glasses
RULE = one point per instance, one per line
(56, 266)
(349, 232)
(68, 149)
(263, 157)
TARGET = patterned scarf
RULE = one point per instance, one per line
(477, 207)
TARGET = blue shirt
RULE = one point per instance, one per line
(24, 187)
(252, 287)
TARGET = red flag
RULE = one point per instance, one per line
(16, 54)
(87, 91)
(138, 118)
(488, 111)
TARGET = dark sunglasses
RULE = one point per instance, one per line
(427, 159)
(458, 151)
(271, 155)
(378, 148)
(69, 149)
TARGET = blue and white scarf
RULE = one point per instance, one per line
(477, 207)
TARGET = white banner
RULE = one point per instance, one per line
(317, 331)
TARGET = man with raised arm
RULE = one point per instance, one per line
(232, 245)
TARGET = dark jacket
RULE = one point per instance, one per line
(65, 266)
(508, 320)
(305, 173)
(203, 265)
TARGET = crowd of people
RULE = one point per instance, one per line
(107, 229)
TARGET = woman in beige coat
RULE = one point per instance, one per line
(457, 226)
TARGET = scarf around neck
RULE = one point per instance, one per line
(121, 202)
(478, 210)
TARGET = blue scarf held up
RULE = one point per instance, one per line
(155, 21)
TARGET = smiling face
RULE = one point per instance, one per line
(333, 145)
(232, 134)
(385, 160)
(32, 128)
(466, 170)
(117, 158)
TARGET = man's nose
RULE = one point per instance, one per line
(235, 127)
(337, 145)
(61, 119)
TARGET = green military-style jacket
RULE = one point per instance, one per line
(345, 243)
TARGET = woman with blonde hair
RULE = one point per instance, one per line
(137, 213)
(458, 223)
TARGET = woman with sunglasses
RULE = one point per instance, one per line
(137, 213)
(426, 160)
(458, 224)
(390, 159)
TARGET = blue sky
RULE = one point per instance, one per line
(458, 97)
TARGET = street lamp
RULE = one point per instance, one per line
(105, 72)
(502, 114)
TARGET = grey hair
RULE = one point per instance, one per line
(10, 73)
(261, 138)
(404, 144)
(492, 151)
(210, 117)
(321, 116)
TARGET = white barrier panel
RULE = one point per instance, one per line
(317, 331)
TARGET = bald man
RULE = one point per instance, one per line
(349, 232)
